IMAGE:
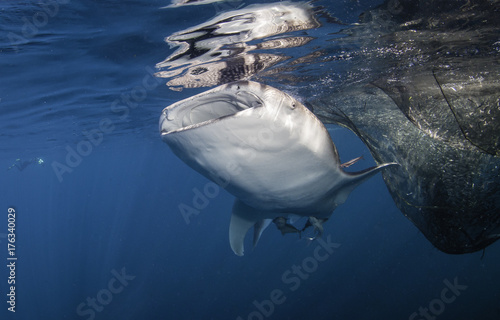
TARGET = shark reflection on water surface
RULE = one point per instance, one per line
(221, 49)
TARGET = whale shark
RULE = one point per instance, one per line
(265, 148)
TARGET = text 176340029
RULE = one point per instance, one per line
(11, 259)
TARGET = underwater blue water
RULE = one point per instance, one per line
(107, 230)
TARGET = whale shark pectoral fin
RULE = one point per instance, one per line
(242, 219)
(238, 226)
(258, 228)
(354, 179)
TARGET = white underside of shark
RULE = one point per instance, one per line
(265, 148)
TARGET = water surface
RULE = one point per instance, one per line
(82, 87)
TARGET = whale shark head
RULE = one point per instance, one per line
(264, 147)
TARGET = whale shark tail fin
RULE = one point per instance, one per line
(353, 179)
(243, 218)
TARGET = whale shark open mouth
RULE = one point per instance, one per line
(206, 109)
